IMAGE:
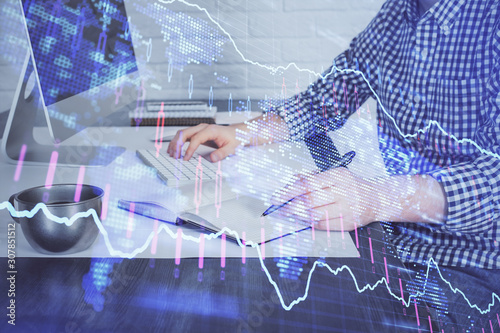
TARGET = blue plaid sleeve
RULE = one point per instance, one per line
(328, 102)
(473, 188)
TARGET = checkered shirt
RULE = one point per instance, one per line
(438, 80)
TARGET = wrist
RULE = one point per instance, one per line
(265, 129)
(380, 205)
(416, 198)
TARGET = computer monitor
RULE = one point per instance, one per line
(80, 62)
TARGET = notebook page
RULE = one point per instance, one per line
(243, 215)
(210, 194)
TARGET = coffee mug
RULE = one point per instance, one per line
(48, 236)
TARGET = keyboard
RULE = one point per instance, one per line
(175, 172)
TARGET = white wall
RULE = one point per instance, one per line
(270, 32)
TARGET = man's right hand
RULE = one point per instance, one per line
(223, 136)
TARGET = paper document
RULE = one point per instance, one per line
(237, 216)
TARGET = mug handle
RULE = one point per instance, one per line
(11, 200)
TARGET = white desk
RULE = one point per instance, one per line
(128, 178)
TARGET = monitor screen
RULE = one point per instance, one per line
(78, 45)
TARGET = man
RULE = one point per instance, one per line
(435, 65)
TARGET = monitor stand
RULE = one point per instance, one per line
(19, 143)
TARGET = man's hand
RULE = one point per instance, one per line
(223, 136)
(337, 199)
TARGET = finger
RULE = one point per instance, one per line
(292, 216)
(301, 208)
(301, 184)
(172, 143)
(178, 145)
(175, 146)
(296, 187)
(171, 150)
(337, 224)
(298, 207)
(329, 178)
(321, 198)
(197, 139)
(223, 152)
(332, 224)
(312, 181)
(327, 217)
(334, 218)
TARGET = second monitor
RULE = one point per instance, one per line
(80, 62)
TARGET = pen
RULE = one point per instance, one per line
(344, 162)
